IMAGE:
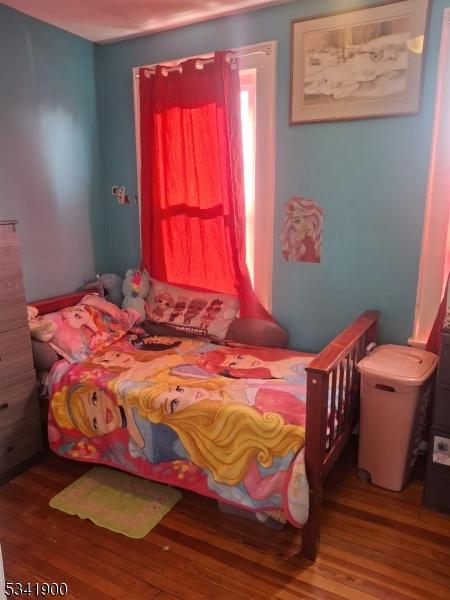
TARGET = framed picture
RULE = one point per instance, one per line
(358, 64)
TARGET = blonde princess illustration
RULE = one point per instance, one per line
(301, 235)
(246, 455)
(176, 392)
(92, 411)
(173, 393)
(96, 412)
(225, 438)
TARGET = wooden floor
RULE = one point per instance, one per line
(375, 544)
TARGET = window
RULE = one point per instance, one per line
(258, 76)
(435, 254)
(248, 114)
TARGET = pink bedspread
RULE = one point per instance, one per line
(226, 422)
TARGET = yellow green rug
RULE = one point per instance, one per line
(118, 501)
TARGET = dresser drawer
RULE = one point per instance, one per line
(18, 398)
(15, 352)
(12, 294)
(19, 441)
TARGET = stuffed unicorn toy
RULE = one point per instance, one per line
(136, 287)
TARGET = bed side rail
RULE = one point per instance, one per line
(333, 391)
(331, 408)
(48, 305)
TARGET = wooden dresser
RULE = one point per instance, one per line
(20, 430)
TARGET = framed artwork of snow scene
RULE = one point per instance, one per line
(358, 64)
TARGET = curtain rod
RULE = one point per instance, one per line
(203, 61)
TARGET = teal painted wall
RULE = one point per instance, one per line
(369, 176)
(49, 155)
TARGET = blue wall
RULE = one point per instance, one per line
(49, 159)
(369, 175)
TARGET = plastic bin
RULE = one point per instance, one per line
(396, 386)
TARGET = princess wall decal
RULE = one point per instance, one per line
(301, 234)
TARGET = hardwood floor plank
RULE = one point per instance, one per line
(438, 538)
(404, 585)
(386, 548)
(375, 544)
(103, 576)
(386, 507)
(112, 547)
(422, 544)
(21, 566)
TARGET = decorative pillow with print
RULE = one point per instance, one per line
(89, 326)
(194, 312)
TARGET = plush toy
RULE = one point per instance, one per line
(41, 329)
(108, 286)
(112, 285)
(136, 287)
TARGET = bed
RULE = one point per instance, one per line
(238, 423)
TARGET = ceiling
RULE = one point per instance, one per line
(112, 20)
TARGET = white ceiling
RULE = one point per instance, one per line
(112, 20)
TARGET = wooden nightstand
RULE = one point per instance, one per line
(437, 477)
(20, 429)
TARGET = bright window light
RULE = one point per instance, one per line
(248, 94)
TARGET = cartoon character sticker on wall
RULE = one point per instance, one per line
(301, 235)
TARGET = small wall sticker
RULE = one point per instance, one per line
(120, 194)
(301, 235)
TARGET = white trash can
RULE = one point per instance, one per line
(396, 386)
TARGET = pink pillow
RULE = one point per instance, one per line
(195, 312)
(89, 326)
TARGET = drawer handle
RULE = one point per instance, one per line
(9, 449)
(4, 406)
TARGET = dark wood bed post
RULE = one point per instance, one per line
(316, 412)
(337, 362)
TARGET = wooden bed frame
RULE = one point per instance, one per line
(331, 408)
(332, 395)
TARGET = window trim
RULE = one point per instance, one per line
(265, 64)
(434, 259)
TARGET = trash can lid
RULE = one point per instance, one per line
(401, 364)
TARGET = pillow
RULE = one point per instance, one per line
(196, 312)
(258, 332)
(89, 326)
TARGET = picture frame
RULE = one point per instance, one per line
(358, 64)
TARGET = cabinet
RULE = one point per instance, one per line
(20, 430)
(437, 476)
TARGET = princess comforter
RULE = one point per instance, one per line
(225, 422)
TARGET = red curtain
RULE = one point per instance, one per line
(192, 184)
